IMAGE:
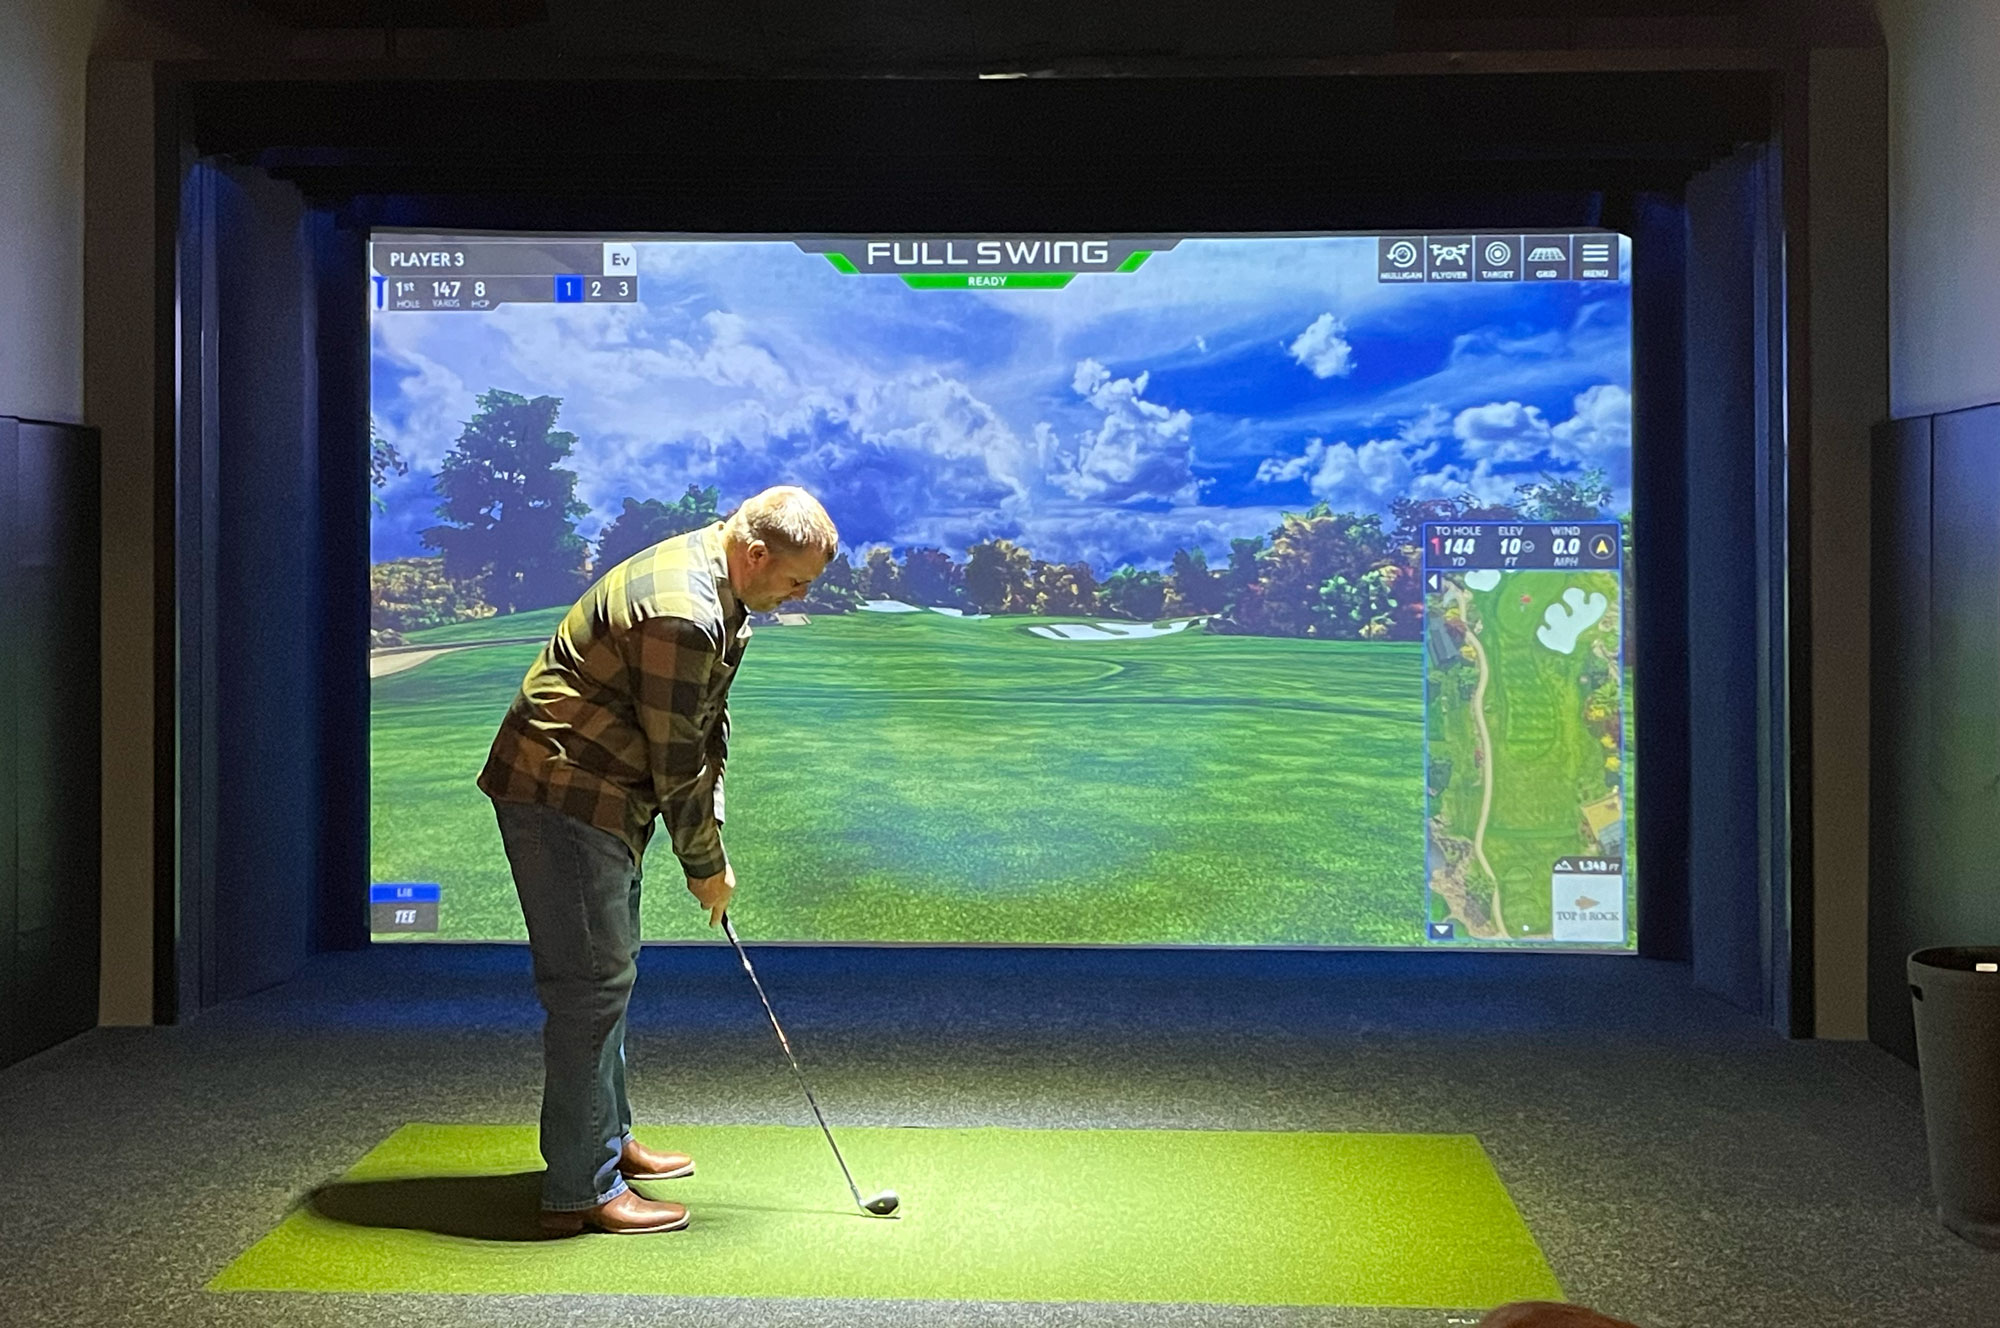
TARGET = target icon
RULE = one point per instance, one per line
(1499, 254)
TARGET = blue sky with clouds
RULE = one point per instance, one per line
(1224, 382)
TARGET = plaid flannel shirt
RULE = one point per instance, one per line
(625, 713)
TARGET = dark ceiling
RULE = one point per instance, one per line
(771, 115)
(1021, 33)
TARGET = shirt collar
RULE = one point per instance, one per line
(717, 547)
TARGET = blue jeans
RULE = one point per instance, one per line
(579, 891)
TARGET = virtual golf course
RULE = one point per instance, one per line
(916, 776)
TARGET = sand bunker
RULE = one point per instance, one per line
(1563, 623)
(1109, 631)
(383, 666)
(1484, 579)
(897, 606)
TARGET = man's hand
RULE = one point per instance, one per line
(714, 892)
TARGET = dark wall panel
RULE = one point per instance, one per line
(12, 993)
(340, 268)
(1935, 794)
(49, 735)
(267, 589)
(1965, 617)
(1726, 857)
(1657, 622)
(1901, 831)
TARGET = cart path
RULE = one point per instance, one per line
(1486, 766)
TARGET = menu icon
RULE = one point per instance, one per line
(1545, 258)
(1596, 258)
(1497, 258)
(1448, 257)
(1399, 258)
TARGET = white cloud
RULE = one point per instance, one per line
(1369, 476)
(710, 398)
(1598, 433)
(1487, 344)
(431, 400)
(731, 359)
(1493, 365)
(1428, 425)
(1226, 290)
(1283, 470)
(1139, 452)
(1323, 348)
(1601, 426)
(717, 398)
(884, 456)
(1501, 431)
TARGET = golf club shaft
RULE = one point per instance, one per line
(785, 1042)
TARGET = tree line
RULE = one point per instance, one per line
(507, 541)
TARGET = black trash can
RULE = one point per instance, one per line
(1955, 992)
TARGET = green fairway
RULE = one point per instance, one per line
(988, 1214)
(918, 777)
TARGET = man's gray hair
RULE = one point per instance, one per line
(787, 519)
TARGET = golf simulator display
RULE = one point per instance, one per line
(1193, 590)
(881, 1205)
(1167, 559)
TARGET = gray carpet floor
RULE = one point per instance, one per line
(1681, 1166)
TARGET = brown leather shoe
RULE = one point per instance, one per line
(639, 1162)
(629, 1214)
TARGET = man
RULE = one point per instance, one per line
(623, 717)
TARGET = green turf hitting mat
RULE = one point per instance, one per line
(988, 1214)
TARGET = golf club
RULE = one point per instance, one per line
(883, 1204)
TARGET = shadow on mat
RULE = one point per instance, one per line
(501, 1208)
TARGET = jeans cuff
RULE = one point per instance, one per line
(588, 1204)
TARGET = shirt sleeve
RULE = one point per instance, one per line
(718, 755)
(671, 660)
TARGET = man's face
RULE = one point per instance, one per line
(777, 577)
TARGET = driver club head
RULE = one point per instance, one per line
(883, 1204)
